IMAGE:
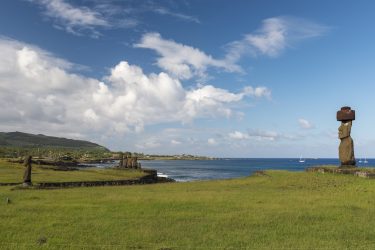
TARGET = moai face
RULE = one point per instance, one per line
(344, 129)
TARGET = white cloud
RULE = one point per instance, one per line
(175, 142)
(180, 60)
(37, 90)
(271, 37)
(274, 36)
(238, 135)
(94, 16)
(258, 92)
(184, 17)
(211, 141)
(148, 145)
(258, 135)
(261, 135)
(82, 20)
(305, 124)
(211, 101)
(73, 19)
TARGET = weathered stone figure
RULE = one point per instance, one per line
(346, 148)
(134, 162)
(121, 163)
(127, 161)
(27, 174)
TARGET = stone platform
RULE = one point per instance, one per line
(364, 173)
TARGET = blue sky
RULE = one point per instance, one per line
(218, 78)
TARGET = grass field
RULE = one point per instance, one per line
(280, 210)
(13, 173)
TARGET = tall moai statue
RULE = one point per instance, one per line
(135, 162)
(27, 174)
(346, 149)
(121, 163)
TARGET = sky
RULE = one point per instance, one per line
(260, 78)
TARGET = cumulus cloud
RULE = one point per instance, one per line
(38, 90)
(305, 124)
(180, 60)
(274, 36)
(211, 101)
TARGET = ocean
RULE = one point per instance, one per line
(194, 170)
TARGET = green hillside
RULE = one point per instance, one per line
(19, 139)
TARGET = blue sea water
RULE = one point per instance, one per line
(194, 170)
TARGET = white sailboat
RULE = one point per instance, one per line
(360, 161)
(301, 160)
(365, 161)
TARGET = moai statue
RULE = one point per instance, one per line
(27, 174)
(124, 161)
(129, 162)
(346, 149)
(121, 160)
(135, 162)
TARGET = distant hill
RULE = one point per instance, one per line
(19, 139)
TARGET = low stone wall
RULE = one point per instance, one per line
(365, 175)
(150, 178)
(10, 184)
(96, 183)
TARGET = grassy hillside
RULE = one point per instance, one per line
(19, 139)
(18, 144)
(280, 210)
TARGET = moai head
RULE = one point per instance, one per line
(27, 160)
(346, 115)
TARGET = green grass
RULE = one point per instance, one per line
(281, 210)
(13, 173)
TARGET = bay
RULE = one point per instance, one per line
(195, 170)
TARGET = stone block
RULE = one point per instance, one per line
(345, 114)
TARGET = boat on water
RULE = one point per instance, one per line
(365, 161)
(301, 160)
